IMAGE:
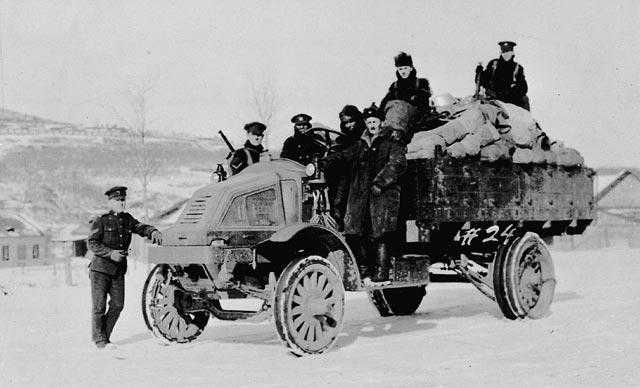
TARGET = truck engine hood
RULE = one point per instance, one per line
(200, 221)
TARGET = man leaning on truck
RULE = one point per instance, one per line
(109, 241)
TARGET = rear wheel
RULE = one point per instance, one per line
(162, 314)
(309, 305)
(524, 278)
(397, 301)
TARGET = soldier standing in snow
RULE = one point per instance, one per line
(503, 78)
(376, 163)
(109, 241)
(250, 153)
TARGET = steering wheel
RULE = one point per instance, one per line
(322, 137)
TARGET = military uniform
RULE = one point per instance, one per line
(301, 147)
(245, 156)
(250, 153)
(111, 234)
(504, 80)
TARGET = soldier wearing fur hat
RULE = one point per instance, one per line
(109, 241)
(252, 150)
(352, 126)
(376, 163)
(504, 79)
(301, 147)
(409, 89)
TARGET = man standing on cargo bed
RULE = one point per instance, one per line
(109, 241)
(503, 78)
(406, 100)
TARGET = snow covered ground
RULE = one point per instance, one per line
(458, 338)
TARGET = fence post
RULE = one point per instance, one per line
(67, 271)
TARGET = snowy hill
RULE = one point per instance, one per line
(59, 179)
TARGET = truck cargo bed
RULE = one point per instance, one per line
(448, 190)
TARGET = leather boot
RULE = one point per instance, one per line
(360, 251)
(383, 262)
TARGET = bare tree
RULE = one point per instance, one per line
(135, 117)
(264, 98)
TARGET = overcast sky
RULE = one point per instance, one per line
(68, 60)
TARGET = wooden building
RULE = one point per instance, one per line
(22, 241)
(617, 220)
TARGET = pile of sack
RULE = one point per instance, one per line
(493, 130)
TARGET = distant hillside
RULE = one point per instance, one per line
(57, 172)
(7, 115)
(61, 180)
(616, 170)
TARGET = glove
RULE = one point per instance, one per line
(396, 135)
(156, 237)
(117, 256)
(322, 164)
(376, 191)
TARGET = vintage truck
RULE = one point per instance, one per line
(263, 234)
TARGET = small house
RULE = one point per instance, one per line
(22, 241)
(617, 217)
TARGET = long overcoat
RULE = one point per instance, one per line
(380, 162)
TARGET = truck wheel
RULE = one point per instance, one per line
(309, 305)
(397, 301)
(524, 278)
(161, 314)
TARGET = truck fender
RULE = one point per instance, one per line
(316, 239)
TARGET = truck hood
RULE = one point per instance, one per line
(200, 220)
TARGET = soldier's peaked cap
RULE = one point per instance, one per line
(507, 45)
(301, 118)
(116, 192)
(255, 127)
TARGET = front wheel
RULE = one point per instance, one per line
(163, 316)
(397, 301)
(524, 278)
(309, 305)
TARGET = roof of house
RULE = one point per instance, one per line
(14, 224)
(620, 190)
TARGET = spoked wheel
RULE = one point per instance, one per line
(309, 305)
(163, 315)
(523, 278)
(397, 301)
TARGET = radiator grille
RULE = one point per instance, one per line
(195, 211)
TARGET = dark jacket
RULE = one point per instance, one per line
(301, 148)
(381, 163)
(505, 81)
(109, 232)
(338, 179)
(240, 161)
(413, 90)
